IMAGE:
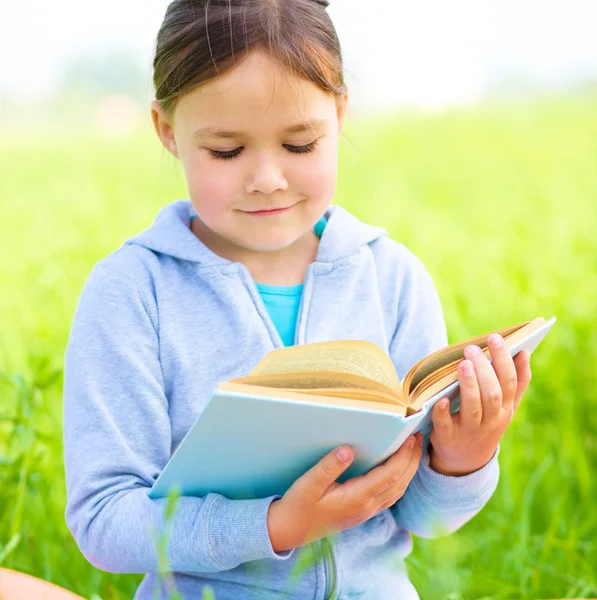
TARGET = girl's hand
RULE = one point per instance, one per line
(316, 506)
(489, 396)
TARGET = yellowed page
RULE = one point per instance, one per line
(348, 356)
(299, 397)
(342, 392)
(354, 394)
(447, 355)
(316, 379)
(436, 382)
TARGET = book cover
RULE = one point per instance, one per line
(246, 446)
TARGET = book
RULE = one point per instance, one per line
(261, 432)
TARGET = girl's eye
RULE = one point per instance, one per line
(225, 155)
(228, 154)
(301, 149)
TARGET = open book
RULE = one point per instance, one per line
(360, 370)
(260, 432)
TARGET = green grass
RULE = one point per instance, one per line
(501, 205)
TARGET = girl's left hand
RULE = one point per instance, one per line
(490, 393)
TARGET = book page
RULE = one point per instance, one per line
(307, 381)
(354, 394)
(448, 374)
(449, 354)
(349, 356)
(367, 404)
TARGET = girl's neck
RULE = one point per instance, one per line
(283, 267)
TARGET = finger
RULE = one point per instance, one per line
(491, 392)
(317, 479)
(522, 364)
(390, 496)
(443, 423)
(504, 368)
(471, 407)
(389, 473)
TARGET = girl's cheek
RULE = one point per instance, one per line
(215, 197)
(318, 178)
(208, 180)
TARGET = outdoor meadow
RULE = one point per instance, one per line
(499, 202)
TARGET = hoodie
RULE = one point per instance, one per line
(159, 323)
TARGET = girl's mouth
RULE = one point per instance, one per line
(267, 213)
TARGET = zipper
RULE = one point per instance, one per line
(298, 338)
(327, 555)
(329, 565)
(260, 306)
(262, 309)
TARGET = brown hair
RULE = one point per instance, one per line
(200, 39)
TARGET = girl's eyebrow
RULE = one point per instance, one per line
(222, 133)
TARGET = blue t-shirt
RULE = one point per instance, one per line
(283, 301)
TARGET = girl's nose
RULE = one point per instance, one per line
(267, 177)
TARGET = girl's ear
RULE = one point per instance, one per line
(341, 109)
(163, 128)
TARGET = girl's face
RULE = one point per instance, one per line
(255, 139)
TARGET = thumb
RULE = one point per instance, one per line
(442, 419)
(328, 469)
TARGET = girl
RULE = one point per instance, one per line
(250, 98)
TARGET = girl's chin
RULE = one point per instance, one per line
(268, 247)
(262, 242)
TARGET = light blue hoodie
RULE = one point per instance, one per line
(160, 322)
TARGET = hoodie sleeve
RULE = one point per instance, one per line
(117, 439)
(433, 504)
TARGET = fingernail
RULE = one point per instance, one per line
(495, 339)
(411, 441)
(443, 404)
(421, 439)
(343, 454)
(472, 350)
(467, 367)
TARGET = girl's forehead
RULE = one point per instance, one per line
(257, 89)
(257, 71)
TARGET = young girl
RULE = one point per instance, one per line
(250, 98)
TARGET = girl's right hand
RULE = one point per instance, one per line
(316, 506)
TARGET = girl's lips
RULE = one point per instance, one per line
(267, 213)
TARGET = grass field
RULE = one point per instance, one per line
(500, 204)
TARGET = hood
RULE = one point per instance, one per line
(171, 235)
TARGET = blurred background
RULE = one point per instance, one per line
(65, 61)
(472, 138)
